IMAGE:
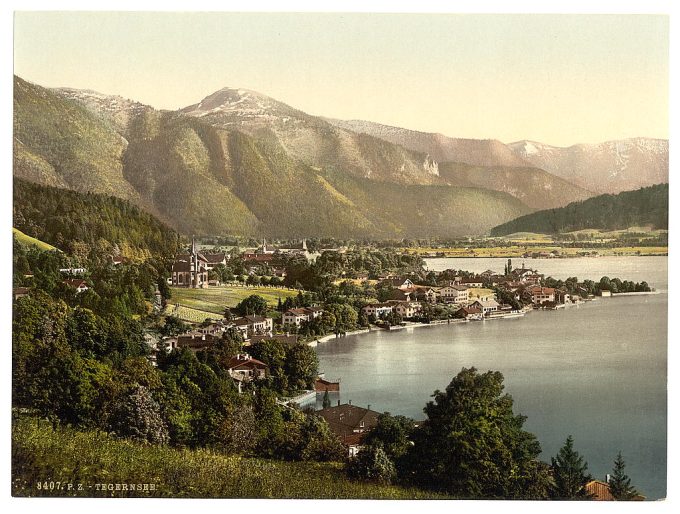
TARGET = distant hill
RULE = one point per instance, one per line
(609, 167)
(645, 206)
(31, 241)
(59, 217)
(484, 163)
(477, 152)
(534, 187)
(241, 163)
(312, 140)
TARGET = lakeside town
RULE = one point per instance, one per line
(384, 299)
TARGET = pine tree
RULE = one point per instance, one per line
(326, 400)
(619, 483)
(569, 473)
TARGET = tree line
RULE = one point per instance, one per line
(645, 206)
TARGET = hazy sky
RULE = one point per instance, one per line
(558, 79)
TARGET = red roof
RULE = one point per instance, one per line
(601, 492)
(347, 420)
(245, 360)
(75, 282)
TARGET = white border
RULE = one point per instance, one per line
(431, 6)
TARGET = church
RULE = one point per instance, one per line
(191, 270)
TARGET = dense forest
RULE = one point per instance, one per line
(645, 206)
(86, 223)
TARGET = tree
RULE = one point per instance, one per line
(372, 464)
(569, 473)
(472, 444)
(173, 326)
(253, 304)
(163, 288)
(393, 434)
(138, 416)
(619, 483)
(301, 366)
(326, 400)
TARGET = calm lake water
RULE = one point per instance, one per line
(596, 371)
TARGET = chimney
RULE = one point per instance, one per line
(350, 402)
(338, 403)
(608, 478)
(369, 406)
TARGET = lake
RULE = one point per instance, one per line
(596, 371)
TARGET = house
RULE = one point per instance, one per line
(20, 292)
(397, 283)
(378, 310)
(406, 309)
(214, 329)
(303, 314)
(527, 276)
(533, 279)
(350, 423)
(485, 306)
(423, 293)
(469, 313)
(600, 491)
(455, 294)
(295, 249)
(243, 368)
(471, 282)
(256, 258)
(212, 260)
(540, 295)
(190, 270)
(487, 274)
(76, 283)
(322, 385)
(252, 325)
(400, 295)
(73, 271)
(195, 341)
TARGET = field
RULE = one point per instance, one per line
(43, 458)
(31, 241)
(519, 243)
(196, 305)
(189, 314)
(515, 250)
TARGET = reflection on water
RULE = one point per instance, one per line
(597, 372)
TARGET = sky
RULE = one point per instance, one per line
(557, 79)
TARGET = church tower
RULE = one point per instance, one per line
(194, 263)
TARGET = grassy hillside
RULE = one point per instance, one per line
(59, 142)
(42, 455)
(536, 188)
(60, 217)
(31, 241)
(645, 206)
(215, 299)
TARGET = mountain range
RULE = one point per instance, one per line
(239, 162)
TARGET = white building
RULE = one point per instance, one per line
(377, 309)
(407, 309)
(455, 294)
(303, 314)
(486, 306)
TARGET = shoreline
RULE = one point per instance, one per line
(566, 257)
(436, 323)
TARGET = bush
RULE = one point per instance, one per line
(372, 464)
